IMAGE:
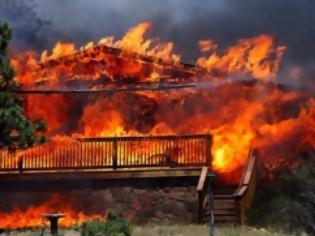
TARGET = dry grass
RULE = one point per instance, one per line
(175, 230)
(197, 230)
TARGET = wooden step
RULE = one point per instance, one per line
(224, 209)
(224, 204)
(225, 219)
(227, 197)
(221, 213)
(226, 190)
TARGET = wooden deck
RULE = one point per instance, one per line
(163, 157)
(99, 174)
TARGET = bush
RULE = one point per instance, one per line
(115, 225)
(288, 203)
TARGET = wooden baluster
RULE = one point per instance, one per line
(208, 151)
(114, 157)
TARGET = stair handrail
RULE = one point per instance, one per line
(201, 190)
(245, 193)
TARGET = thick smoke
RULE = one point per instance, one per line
(181, 21)
(28, 26)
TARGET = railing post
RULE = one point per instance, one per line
(81, 154)
(20, 164)
(208, 150)
(115, 153)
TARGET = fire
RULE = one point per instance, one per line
(30, 217)
(308, 117)
(93, 62)
(235, 114)
(60, 50)
(240, 115)
(257, 56)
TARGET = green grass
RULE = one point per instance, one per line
(203, 230)
(174, 230)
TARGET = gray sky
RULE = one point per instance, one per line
(181, 21)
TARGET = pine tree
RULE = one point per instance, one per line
(16, 130)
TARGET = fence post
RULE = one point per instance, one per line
(115, 153)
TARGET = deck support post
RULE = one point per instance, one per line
(210, 179)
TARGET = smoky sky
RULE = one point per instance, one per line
(182, 21)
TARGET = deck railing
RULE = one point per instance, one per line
(115, 152)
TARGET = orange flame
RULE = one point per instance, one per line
(235, 125)
(257, 56)
(31, 217)
(239, 115)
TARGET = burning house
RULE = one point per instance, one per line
(131, 103)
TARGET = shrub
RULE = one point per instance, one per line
(115, 225)
(288, 203)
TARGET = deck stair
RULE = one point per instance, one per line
(230, 203)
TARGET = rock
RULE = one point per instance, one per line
(191, 207)
(158, 194)
(159, 215)
(139, 192)
(119, 195)
(135, 204)
(169, 217)
(166, 190)
(177, 209)
(127, 189)
(192, 190)
(178, 195)
(155, 221)
(108, 197)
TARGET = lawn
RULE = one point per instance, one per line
(175, 230)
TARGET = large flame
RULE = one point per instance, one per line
(239, 114)
(257, 56)
(33, 216)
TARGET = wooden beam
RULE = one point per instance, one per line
(146, 138)
(106, 90)
(102, 174)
